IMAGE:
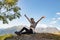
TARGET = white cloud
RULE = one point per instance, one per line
(42, 25)
(58, 28)
(53, 22)
(58, 13)
(54, 18)
(11, 24)
(58, 18)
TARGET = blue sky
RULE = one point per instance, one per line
(36, 9)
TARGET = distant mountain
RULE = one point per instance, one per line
(48, 30)
(11, 30)
(7, 31)
(38, 30)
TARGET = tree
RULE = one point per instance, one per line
(9, 10)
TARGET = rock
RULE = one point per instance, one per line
(41, 36)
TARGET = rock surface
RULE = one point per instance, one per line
(41, 36)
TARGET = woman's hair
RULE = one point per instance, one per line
(32, 18)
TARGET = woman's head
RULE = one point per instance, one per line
(32, 20)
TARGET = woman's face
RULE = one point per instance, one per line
(32, 20)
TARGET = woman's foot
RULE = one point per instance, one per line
(18, 33)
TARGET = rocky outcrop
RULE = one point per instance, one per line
(41, 36)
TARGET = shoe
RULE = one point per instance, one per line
(18, 33)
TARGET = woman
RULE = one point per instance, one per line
(32, 26)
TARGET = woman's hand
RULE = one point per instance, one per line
(43, 17)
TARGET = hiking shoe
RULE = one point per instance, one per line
(18, 33)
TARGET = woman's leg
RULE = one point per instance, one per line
(24, 33)
(31, 31)
(23, 30)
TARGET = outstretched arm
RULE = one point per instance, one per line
(40, 19)
(27, 18)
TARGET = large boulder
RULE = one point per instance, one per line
(41, 36)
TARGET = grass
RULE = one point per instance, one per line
(3, 37)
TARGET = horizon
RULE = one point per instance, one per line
(36, 9)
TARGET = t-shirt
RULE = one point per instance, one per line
(33, 26)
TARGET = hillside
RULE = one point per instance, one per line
(40, 36)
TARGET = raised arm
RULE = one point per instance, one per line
(40, 19)
(27, 18)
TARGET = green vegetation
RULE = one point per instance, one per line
(10, 10)
(3, 37)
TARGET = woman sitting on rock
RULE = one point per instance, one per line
(33, 25)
